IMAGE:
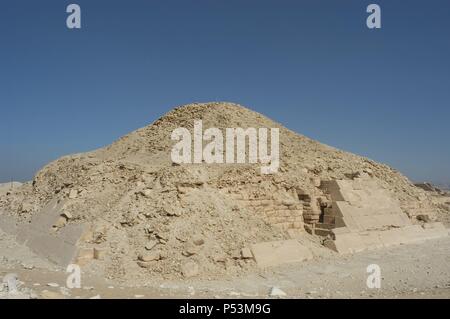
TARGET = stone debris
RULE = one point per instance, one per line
(423, 218)
(67, 215)
(99, 253)
(198, 241)
(428, 187)
(246, 253)
(190, 250)
(73, 194)
(146, 193)
(230, 219)
(61, 222)
(27, 266)
(151, 256)
(151, 244)
(277, 292)
(190, 269)
(269, 254)
(144, 264)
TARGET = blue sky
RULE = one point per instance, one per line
(312, 65)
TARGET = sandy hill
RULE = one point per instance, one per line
(152, 217)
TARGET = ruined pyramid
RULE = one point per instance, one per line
(128, 212)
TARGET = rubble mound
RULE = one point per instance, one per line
(145, 217)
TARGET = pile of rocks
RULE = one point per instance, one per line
(144, 217)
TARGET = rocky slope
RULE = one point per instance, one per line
(154, 218)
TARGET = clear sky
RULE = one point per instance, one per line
(312, 65)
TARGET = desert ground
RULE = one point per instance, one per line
(408, 271)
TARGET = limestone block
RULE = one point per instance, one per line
(346, 243)
(84, 256)
(99, 253)
(275, 253)
(297, 225)
(340, 230)
(332, 188)
(371, 240)
(246, 253)
(329, 219)
(59, 247)
(339, 222)
(391, 237)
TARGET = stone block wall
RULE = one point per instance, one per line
(285, 213)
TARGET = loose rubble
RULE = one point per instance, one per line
(127, 213)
